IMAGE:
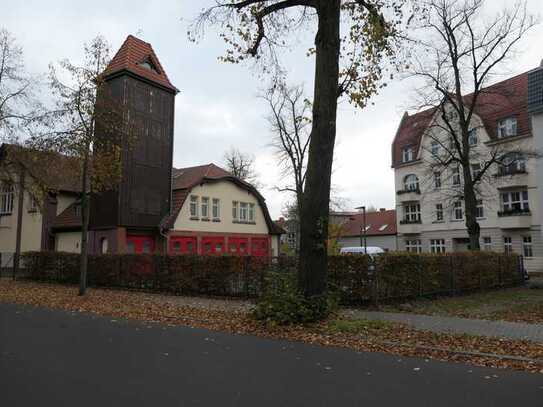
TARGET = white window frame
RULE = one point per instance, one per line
(515, 201)
(507, 244)
(251, 212)
(456, 180)
(193, 206)
(437, 179)
(475, 170)
(473, 139)
(235, 210)
(437, 246)
(412, 212)
(458, 211)
(527, 247)
(216, 209)
(204, 207)
(439, 213)
(508, 127)
(7, 194)
(407, 154)
(411, 183)
(413, 246)
(243, 211)
(32, 204)
(513, 163)
(434, 148)
(480, 209)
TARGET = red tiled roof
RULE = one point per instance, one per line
(496, 102)
(379, 223)
(69, 218)
(188, 177)
(131, 55)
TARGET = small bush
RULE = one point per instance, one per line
(283, 304)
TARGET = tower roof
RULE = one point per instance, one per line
(138, 57)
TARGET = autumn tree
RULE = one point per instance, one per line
(347, 62)
(459, 53)
(241, 165)
(17, 89)
(89, 126)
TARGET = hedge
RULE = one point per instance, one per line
(357, 278)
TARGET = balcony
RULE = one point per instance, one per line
(408, 227)
(511, 178)
(406, 195)
(515, 219)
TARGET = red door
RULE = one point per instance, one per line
(140, 244)
(212, 245)
(183, 245)
(259, 246)
(238, 246)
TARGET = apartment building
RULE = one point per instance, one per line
(431, 215)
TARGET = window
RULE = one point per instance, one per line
(458, 213)
(487, 243)
(412, 213)
(205, 207)
(6, 199)
(507, 127)
(439, 212)
(251, 212)
(515, 201)
(480, 209)
(437, 180)
(507, 244)
(407, 154)
(32, 204)
(235, 211)
(434, 148)
(413, 246)
(527, 246)
(512, 163)
(437, 246)
(411, 183)
(472, 137)
(456, 175)
(193, 206)
(216, 209)
(475, 170)
(243, 206)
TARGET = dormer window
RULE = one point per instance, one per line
(148, 64)
(407, 154)
(507, 127)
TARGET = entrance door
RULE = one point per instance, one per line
(183, 245)
(259, 246)
(212, 245)
(140, 244)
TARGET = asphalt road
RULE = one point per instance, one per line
(56, 358)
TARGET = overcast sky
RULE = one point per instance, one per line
(218, 105)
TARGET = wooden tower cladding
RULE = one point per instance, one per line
(136, 79)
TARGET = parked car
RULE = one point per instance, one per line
(370, 250)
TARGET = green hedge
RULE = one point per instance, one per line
(356, 278)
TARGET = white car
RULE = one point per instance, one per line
(371, 250)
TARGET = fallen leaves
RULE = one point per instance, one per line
(358, 335)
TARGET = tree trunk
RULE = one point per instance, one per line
(316, 201)
(470, 201)
(84, 226)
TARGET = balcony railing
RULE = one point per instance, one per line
(410, 222)
(503, 172)
(514, 212)
(408, 191)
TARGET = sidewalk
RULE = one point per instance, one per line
(498, 329)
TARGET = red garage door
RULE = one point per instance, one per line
(212, 245)
(183, 245)
(259, 246)
(238, 245)
(140, 244)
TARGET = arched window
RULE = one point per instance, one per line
(411, 182)
(103, 245)
(513, 163)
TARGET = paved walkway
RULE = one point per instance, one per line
(498, 329)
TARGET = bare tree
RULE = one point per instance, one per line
(241, 165)
(17, 101)
(460, 52)
(90, 126)
(347, 63)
